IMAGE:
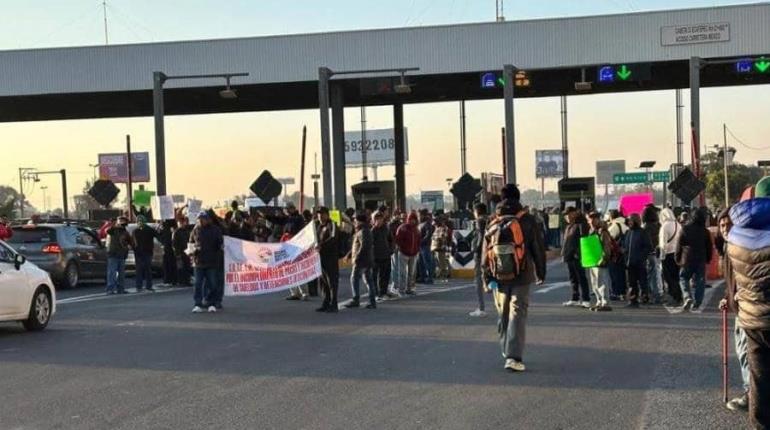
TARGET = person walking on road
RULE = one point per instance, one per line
(513, 258)
(617, 267)
(118, 244)
(395, 222)
(143, 238)
(180, 239)
(207, 241)
(740, 403)
(636, 249)
(570, 252)
(362, 257)
(439, 246)
(749, 252)
(600, 276)
(667, 240)
(479, 229)
(651, 226)
(408, 244)
(383, 248)
(426, 256)
(328, 248)
(693, 252)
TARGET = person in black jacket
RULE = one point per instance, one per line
(179, 239)
(292, 222)
(576, 228)
(118, 244)
(144, 246)
(693, 252)
(479, 228)
(362, 257)
(328, 249)
(426, 265)
(512, 296)
(382, 241)
(207, 242)
(165, 234)
(636, 250)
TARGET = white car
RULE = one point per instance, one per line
(26, 291)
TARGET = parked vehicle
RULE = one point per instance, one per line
(26, 292)
(69, 253)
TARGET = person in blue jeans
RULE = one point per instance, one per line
(118, 245)
(207, 242)
(426, 229)
(693, 252)
(144, 245)
(362, 257)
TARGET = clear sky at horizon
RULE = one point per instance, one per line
(216, 156)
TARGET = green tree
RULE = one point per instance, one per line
(740, 176)
(9, 202)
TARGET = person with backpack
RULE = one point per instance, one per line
(570, 252)
(408, 245)
(749, 252)
(617, 229)
(693, 252)
(479, 228)
(636, 249)
(667, 239)
(513, 258)
(600, 277)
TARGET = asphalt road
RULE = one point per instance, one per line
(145, 362)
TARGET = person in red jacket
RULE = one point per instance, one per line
(5, 228)
(407, 248)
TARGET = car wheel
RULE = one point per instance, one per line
(71, 275)
(39, 311)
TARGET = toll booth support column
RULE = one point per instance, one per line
(564, 139)
(695, 65)
(510, 144)
(326, 154)
(338, 144)
(398, 134)
(158, 79)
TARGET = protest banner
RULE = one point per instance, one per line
(193, 209)
(261, 268)
(162, 207)
(634, 203)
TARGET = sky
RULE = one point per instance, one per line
(630, 126)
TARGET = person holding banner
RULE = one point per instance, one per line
(362, 257)
(328, 249)
(207, 241)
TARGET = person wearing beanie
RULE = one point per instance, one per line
(512, 295)
(407, 249)
(749, 251)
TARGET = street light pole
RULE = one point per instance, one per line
(724, 162)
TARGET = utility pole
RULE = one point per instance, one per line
(463, 147)
(104, 11)
(724, 161)
(365, 177)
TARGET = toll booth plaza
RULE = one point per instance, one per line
(689, 48)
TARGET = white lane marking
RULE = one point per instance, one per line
(422, 290)
(104, 296)
(550, 287)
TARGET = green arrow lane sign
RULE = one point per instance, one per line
(762, 65)
(624, 73)
(640, 177)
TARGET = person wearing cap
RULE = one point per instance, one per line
(749, 251)
(207, 242)
(143, 238)
(408, 247)
(570, 252)
(118, 244)
(362, 257)
(328, 249)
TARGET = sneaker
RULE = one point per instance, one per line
(411, 293)
(212, 309)
(687, 305)
(514, 365)
(739, 403)
(304, 298)
(352, 304)
(586, 305)
(197, 310)
(571, 303)
(478, 313)
(696, 309)
(390, 295)
(371, 306)
(380, 299)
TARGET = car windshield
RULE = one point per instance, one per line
(32, 235)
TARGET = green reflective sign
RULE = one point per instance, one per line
(624, 73)
(640, 177)
(762, 65)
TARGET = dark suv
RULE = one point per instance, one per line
(67, 252)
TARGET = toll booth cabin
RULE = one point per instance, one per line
(577, 192)
(371, 195)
